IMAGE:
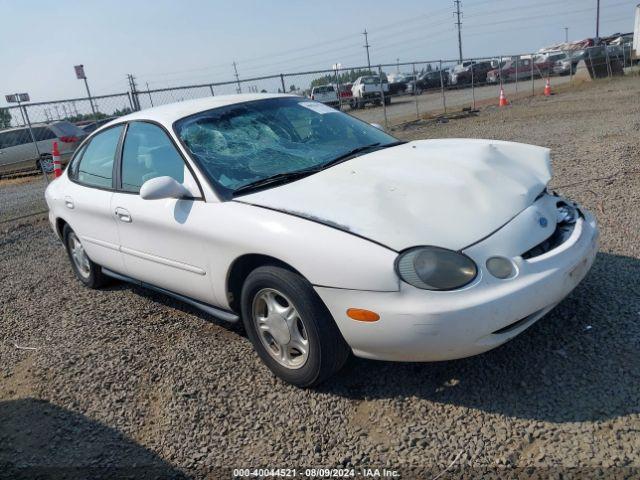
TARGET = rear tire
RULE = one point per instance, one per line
(290, 328)
(88, 272)
(45, 162)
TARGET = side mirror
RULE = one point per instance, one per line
(378, 126)
(163, 187)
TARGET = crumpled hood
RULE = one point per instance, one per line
(448, 193)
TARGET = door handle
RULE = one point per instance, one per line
(68, 202)
(123, 215)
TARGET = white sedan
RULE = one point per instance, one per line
(324, 234)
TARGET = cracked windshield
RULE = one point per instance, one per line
(243, 143)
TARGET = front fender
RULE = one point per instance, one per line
(324, 255)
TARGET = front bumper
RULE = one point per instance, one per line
(422, 325)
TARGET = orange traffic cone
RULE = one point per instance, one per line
(503, 99)
(57, 166)
(547, 88)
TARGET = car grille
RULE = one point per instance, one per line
(562, 232)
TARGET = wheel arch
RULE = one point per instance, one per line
(240, 269)
(60, 224)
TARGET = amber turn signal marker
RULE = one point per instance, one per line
(363, 315)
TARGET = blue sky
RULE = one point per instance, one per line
(172, 43)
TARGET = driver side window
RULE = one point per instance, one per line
(149, 153)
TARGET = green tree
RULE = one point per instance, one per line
(344, 77)
(292, 88)
(5, 118)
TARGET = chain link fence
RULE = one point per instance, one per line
(408, 91)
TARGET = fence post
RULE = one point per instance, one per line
(570, 68)
(35, 144)
(384, 102)
(284, 90)
(211, 88)
(473, 90)
(444, 100)
(608, 60)
(415, 93)
(517, 64)
(149, 93)
(335, 71)
(533, 78)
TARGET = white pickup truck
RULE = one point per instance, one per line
(326, 94)
(368, 89)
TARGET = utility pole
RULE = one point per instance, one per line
(566, 34)
(134, 91)
(597, 19)
(366, 45)
(397, 65)
(459, 25)
(235, 69)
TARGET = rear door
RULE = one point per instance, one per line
(19, 151)
(89, 197)
(162, 241)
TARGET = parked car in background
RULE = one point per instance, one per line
(323, 235)
(519, 68)
(428, 80)
(326, 94)
(345, 93)
(88, 126)
(398, 82)
(369, 89)
(476, 71)
(18, 152)
(544, 64)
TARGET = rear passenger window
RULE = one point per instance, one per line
(96, 165)
(43, 133)
(149, 153)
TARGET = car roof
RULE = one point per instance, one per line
(25, 127)
(169, 113)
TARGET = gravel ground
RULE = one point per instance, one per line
(21, 196)
(124, 378)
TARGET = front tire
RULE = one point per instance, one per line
(290, 328)
(89, 273)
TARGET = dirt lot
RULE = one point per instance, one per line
(126, 379)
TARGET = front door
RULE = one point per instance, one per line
(159, 239)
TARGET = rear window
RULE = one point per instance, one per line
(323, 89)
(43, 133)
(66, 129)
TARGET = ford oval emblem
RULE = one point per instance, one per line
(543, 222)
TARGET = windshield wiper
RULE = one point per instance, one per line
(351, 153)
(280, 178)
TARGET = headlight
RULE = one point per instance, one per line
(435, 268)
